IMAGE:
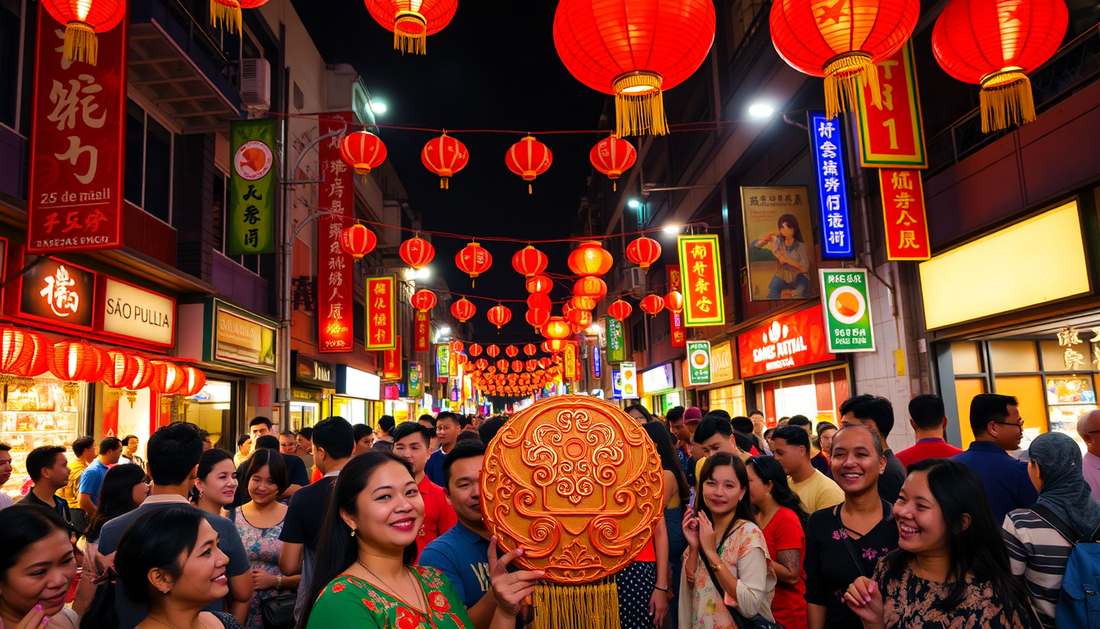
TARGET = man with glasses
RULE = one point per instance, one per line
(1089, 429)
(998, 429)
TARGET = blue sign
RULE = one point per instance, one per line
(616, 384)
(827, 146)
(597, 362)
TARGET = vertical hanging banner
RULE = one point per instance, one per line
(904, 215)
(676, 319)
(391, 362)
(827, 151)
(571, 362)
(698, 354)
(416, 377)
(616, 347)
(630, 380)
(422, 323)
(334, 267)
(596, 360)
(252, 187)
(78, 137)
(701, 273)
(848, 326)
(892, 135)
(381, 313)
(442, 362)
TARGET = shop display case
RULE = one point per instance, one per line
(1068, 397)
(41, 414)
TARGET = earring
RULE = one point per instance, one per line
(165, 590)
(353, 532)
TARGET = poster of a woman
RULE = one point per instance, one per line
(789, 249)
(781, 262)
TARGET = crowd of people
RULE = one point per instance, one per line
(340, 525)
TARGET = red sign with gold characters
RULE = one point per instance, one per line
(701, 273)
(892, 135)
(423, 324)
(676, 319)
(381, 313)
(391, 362)
(571, 372)
(786, 342)
(77, 144)
(334, 267)
(904, 215)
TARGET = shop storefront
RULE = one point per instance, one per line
(313, 383)
(787, 369)
(726, 391)
(357, 393)
(660, 389)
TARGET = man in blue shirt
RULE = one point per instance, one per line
(447, 427)
(110, 449)
(998, 429)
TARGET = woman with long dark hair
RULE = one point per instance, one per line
(790, 251)
(37, 568)
(780, 516)
(951, 567)
(168, 560)
(216, 483)
(727, 557)
(363, 571)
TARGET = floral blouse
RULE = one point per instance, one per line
(263, 548)
(745, 555)
(350, 602)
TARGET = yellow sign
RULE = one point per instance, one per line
(243, 341)
(721, 362)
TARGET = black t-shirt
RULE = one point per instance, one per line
(307, 511)
(891, 480)
(59, 505)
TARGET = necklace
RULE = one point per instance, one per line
(393, 592)
(161, 622)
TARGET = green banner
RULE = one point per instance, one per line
(698, 363)
(251, 222)
(616, 345)
(848, 326)
(415, 374)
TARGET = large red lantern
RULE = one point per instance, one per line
(423, 300)
(416, 252)
(842, 40)
(619, 310)
(643, 251)
(76, 360)
(193, 381)
(444, 156)
(554, 346)
(143, 375)
(537, 317)
(539, 301)
(590, 258)
(634, 49)
(529, 261)
(463, 310)
(357, 241)
(528, 158)
(37, 348)
(584, 303)
(13, 349)
(122, 367)
(611, 156)
(674, 301)
(591, 287)
(83, 20)
(652, 304)
(994, 44)
(557, 328)
(539, 284)
(473, 260)
(412, 20)
(363, 150)
(499, 315)
(580, 318)
(492, 351)
(168, 378)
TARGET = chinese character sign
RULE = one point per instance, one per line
(676, 319)
(827, 151)
(701, 274)
(781, 262)
(442, 362)
(334, 267)
(903, 212)
(698, 354)
(381, 313)
(616, 347)
(415, 377)
(848, 326)
(252, 187)
(891, 133)
(597, 361)
(391, 362)
(422, 323)
(77, 144)
(571, 362)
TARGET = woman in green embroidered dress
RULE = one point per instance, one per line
(363, 576)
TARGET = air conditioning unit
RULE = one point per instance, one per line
(256, 83)
(636, 281)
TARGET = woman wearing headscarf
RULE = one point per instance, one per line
(1037, 549)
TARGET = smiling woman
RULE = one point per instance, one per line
(37, 568)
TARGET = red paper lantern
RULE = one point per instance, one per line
(83, 20)
(502, 365)
(37, 348)
(423, 300)
(416, 252)
(580, 318)
(193, 381)
(530, 349)
(473, 260)
(528, 158)
(475, 350)
(411, 21)
(357, 241)
(457, 346)
(499, 315)
(539, 301)
(643, 251)
(529, 261)
(544, 363)
(611, 156)
(634, 49)
(537, 317)
(13, 349)
(122, 367)
(72, 360)
(584, 303)
(463, 310)
(994, 44)
(168, 378)
(592, 287)
(143, 374)
(841, 40)
(620, 310)
(531, 365)
(444, 156)
(652, 304)
(511, 351)
(492, 351)
(674, 301)
(482, 364)
(363, 150)
(557, 328)
(590, 258)
(554, 346)
(539, 284)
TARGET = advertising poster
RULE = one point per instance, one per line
(698, 355)
(779, 243)
(848, 326)
(629, 380)
(252, 187)
(616, 347)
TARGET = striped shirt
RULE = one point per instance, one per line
(1037, 551)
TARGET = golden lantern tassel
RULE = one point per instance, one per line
(81, 43)
(228, 12)
(410, 33)
(639, 105)
(592, 606)
(845, 76)
(530, 189)
(1006, 100)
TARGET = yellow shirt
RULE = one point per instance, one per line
(817, 492)
(71, 491)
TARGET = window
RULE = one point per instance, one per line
(9, 60)
(148, 163)
(221, 199)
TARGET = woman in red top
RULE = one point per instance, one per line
(781, 517)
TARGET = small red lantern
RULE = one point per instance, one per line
(416, 252)
(357, 241)
(557, 328)
(593, 287)
(13, 349)
(537, 317)
(652, 304)
(528, 158)
(620, 310)
(502, 365)
(463, 310)
(539, 284)
(423, 300)
(492, 351)
(517, 365)
(457, 346)
(590, 258)
(75, 360)
(475, 350)
(193, 381)
(580, 318)
(444, 156)
(84, 19)
(411, 21)
(611, 156)
(529, 261)
(482, 364)
(511, 351)
(363, 150)
(530, 349)
(643, 251)
(168, 378)
(544, 363)
(584, 303)
(539, 301)
(473, 260)
(674, 301)
(531, 365)
(499, 315)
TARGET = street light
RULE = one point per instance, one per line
(671, 229)
(760, 110)
(633, 204)
(423, 274)
(378, 107)
(444, 330)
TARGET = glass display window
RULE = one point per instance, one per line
(212, 410)
(42, 412)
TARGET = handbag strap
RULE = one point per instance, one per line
(718, 584)
(1065, 530)
(848, 543)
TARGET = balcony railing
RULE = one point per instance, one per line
(190, 35)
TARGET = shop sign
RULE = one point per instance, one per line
(334, 267)
(57, 292)
(136, 313)
(904, 215)
(676, 319)
(391, 361)
(616, 347)
(391, 392)
(453, 364)
(252, 187)
(415, 377)
(452, 387)
(306, 395)
(616, 384)
(442, 362)
(1069, 339)
(658, 379)
(381, 313)
(597, 361)
(310, 371)
(630, 380)
(827, 150)
(571, 361)
(701, 273)
(787, 342)
(848, 326)
(242, 340)
(357, 383)
(891, 134)
(422, 323)
(778, 270)
(699, 363)
(78, 141)
(721, 362)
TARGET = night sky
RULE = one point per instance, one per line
(493, 67)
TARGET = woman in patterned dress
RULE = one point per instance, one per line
(259, 522)
(364, 577)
